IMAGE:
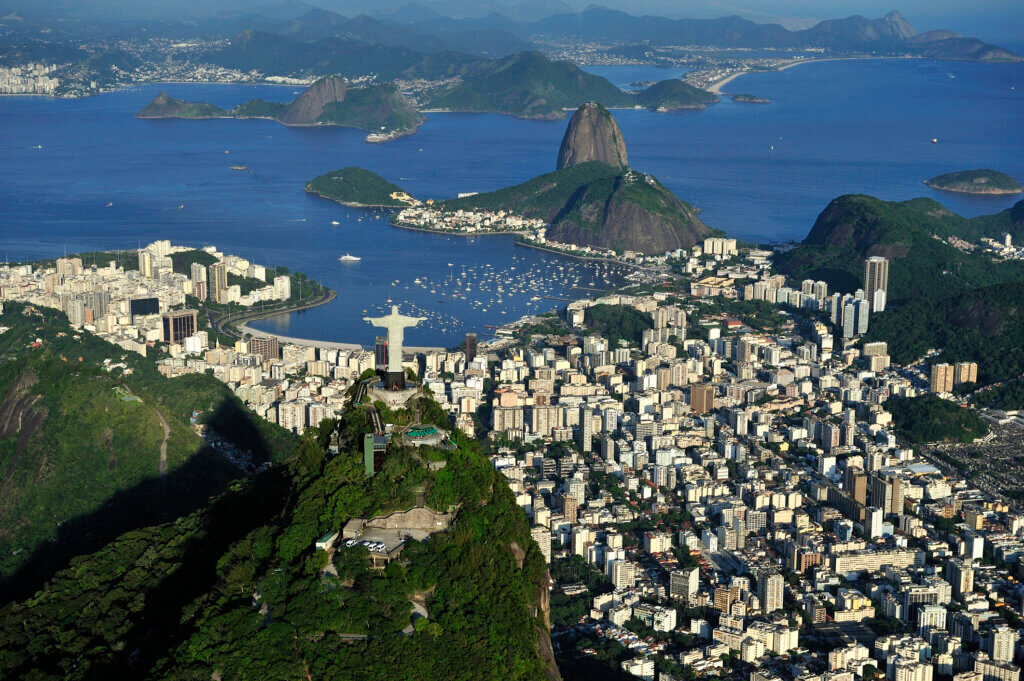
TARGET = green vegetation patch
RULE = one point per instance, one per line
(980, 181)
(674, 94)
(355, 186)
(929, 418)
(618, 322)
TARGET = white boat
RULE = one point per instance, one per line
(335, 223)
(349, 258)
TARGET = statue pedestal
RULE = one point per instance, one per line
(394, 380)
(395, 399)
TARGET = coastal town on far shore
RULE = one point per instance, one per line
(711, 489)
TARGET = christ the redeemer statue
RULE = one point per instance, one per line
(396, 325)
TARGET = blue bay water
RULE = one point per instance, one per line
(836, 127)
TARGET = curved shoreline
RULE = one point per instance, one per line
(245, 318)
(350, 204)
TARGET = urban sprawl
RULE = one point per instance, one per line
(710, 494)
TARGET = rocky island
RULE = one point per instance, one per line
(359, 188)
(674, 95)
(980, 181)
(380, 109)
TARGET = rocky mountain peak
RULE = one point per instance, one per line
(308, 107)
(592, 135)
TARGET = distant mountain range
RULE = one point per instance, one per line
(890, 34)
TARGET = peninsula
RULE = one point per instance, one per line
(593, 204)
(359, 188)
(380, 109)
(980, 181)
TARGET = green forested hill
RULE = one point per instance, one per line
(674, 94)
(594, 204)
(80, 445)
(530, 85)
(237, 591)
(854, 227)
(354, 186)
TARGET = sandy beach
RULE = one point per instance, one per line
(717, 87)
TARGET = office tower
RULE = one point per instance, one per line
(179, 325)
(702, 398)
(266, 347)
(876, 279)
(769, 591)
(586, 429)
(965, 372)
(217, 282)
(146, 264)
(683, 584)
(380, 353)
(470, 347)
(200, 287)
(855, 482)
(940, 379)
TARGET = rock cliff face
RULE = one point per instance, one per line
(634, 213)
(309, 106)
(592, 135)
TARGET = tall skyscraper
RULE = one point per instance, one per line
(940, 378)
(470, 347)
(876, 278)
(217, 282)
(769, 591)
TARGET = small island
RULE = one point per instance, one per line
(359, 188)
(379, 109)
(750, 99)
(980, 181)
(674, 95)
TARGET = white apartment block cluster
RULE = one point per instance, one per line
(465, 221)
(30, 79)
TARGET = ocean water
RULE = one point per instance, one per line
(759, 172)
